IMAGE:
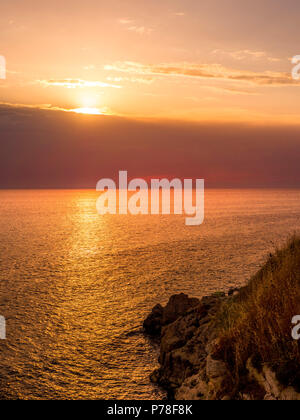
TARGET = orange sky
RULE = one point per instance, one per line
(202, 60)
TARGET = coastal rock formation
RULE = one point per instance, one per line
(274, 390)
(234, 346)
(152, 324)
(190, 365)
(186, 344)
(177, 306)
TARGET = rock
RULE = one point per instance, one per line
(154, 377)
(233, 292)
(193, 389)
(218, 378)
(190, 358)
(289, 394)
(269, 397)
(215, 368)
(271, 384)
(153, 322)
(183, 344)
(177, 306)
(268, 381)
(246, 397)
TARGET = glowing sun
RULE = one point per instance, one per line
(90, 111)
(89, 104)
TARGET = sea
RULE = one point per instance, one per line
(75, 286)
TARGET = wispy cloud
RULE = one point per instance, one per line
(143, 80)
(140, 30)
(206, 71)
(49, 107)
(126, 21)
(132, 26)
(246, 54)
(76, 83)
(231, 90)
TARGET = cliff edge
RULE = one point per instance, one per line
(235, 346)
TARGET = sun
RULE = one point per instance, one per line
(89, 104)
(88, 111)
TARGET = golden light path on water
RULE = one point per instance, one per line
(75, 286)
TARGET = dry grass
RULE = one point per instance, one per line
(257, 322)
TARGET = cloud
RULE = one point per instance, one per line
(142, 80)
(244, 54)
(206, 71)
(179, 14)
(126, 21)
(10, 106)
(140, 30)
(21, 108)
(231, 90)
(133, 27)
(76, 83)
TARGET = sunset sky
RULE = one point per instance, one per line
(164, 63)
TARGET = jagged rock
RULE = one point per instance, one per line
(193, 388)
(183, 345)
(177, 306)
(269, 397)
(268, 381)
(153, 322)
(154, 377)
(190, 365)
(215, 368)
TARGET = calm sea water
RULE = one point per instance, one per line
(75, 286)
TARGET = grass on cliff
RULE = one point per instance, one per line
(257, 322)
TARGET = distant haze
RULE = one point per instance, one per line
(54, 149)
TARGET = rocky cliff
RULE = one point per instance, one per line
(234, 346)
(190, 365)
